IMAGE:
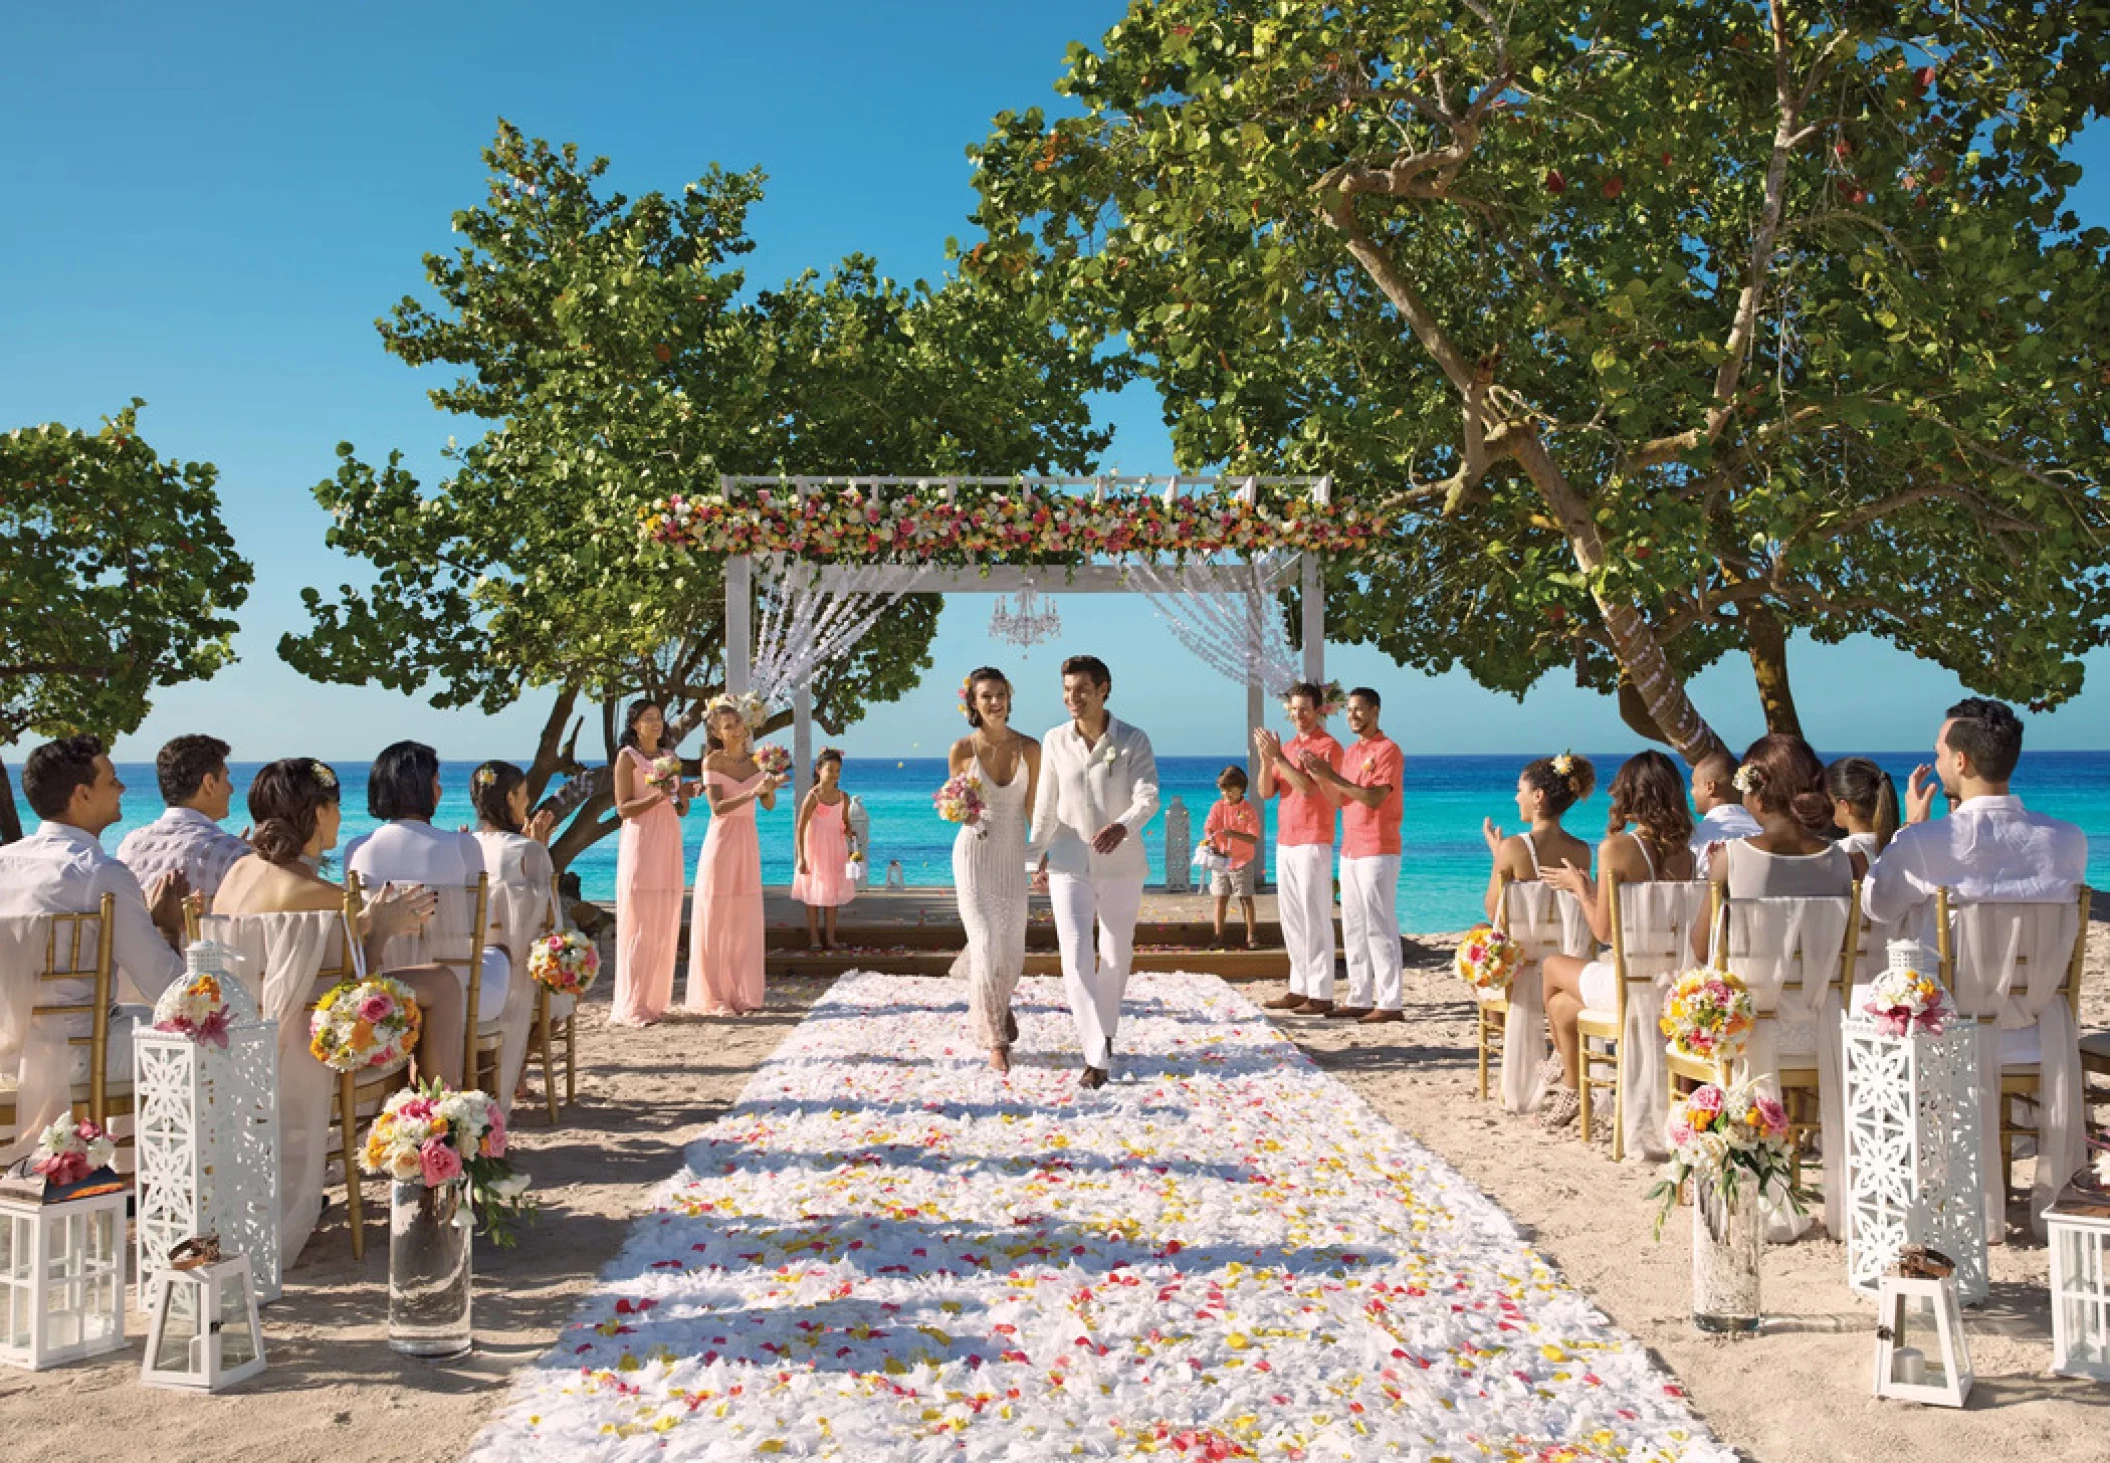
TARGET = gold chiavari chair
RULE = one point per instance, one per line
(560, 1029)
(359, 1094)
(1491, 1021)
(63, 964)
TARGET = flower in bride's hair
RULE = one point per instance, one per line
(323, 774)
(1749, 778)
(967, 698)
(1564, 764)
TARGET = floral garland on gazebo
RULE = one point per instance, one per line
(1022, 523)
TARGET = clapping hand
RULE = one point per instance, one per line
(542, 825)
(1919, 794)
(1568, 879)
(1266, 743)
(1492, 832)
(401, 909)
(165, 901)
(1314, 766)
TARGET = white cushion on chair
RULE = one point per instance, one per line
(2023, 1047)
(562, 1005)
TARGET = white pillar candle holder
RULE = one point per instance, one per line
(2078, 1233)
(1921, 1354)
(62, 1279)
(204, 1335)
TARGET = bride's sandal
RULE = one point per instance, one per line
(1000, 1059)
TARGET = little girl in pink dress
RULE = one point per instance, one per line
(725, 928)
(822, 845)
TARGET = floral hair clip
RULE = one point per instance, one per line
(1748, 778)
(484, 777)
(323, 774)
(967, 698)
(1564, 765)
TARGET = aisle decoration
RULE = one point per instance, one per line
(1904, 1000)
(1025, 523)
(359, 1024)
(1487, 960)
(565, 961)
(1708, 1016)
(194, 1007)
(62, 1253)
(202, 1329)
(772, 759)
(1731, 1146)
(71, 1149)
(960, 800)
(885, 1250)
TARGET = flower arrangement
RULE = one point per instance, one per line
(71, 1149)
(666, 772)
(196, 1007)
(1903, 999)
(433, 1135)
(960, 801)
(772, 759)
(753, 710)
(1021, 523)
(565, 961)
(1727, 1137)
(365, 1023)
(1487, 959)
(1708, 1015)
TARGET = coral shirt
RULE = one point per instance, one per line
(1369, 832)
(1239, 817)
(1306, 818)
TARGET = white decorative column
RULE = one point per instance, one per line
(207, 1126)
(801, 743)
(1313, 595)
(1912, 1163)
(739, 623)
(1179, 847)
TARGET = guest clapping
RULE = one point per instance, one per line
(1546, 789)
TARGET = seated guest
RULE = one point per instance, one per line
(62, 868)
(1789, 857)
(1719, 805)
(523, 895)
(403, 791)
(1989, 847)
(1647, 835)
(1546, 789)
(192, 772)
(294, 818)
(1864, 803)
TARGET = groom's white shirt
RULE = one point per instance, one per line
(1084, 788)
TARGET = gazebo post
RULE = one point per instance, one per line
(1314, 606)
(739, 623)
(801, 742)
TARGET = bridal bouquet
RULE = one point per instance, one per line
(772, 759)
(960, 801)
(433, 1135)
(1902, 1000)
(565, 961)
(666, 772)
(194, 1007)
(364, 1023)
(1487, 959)
(1727, 1137)
(1708, 1015)
(71, 1149)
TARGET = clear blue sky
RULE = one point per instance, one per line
(208, 205)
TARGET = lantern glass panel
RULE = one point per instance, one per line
(14, 1275)
(180, 1350)
(237, 1342)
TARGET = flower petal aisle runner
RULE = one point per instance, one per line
(888, 1251)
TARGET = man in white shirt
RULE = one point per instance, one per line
(192, 771)
(62, 868)
(1098, 788)
(1989, 847)
(1720, 806)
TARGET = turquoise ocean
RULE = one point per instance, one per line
(1443, 872)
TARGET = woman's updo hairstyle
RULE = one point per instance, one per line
(285, 800)
(491, 794)
(1868, 790)
(1565, 780)
(1780, 774)
(971, 690)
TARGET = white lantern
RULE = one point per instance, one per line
(1913, 1173)
(62, 1278)
(204, 1334)
(1177, 880)
(1921, 1354)
(207, 1132)
(2079, 1234)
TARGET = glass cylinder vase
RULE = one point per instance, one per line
(1725, 1247)
(428, 1270)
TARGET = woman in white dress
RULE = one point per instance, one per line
(523, 898)
(989, 859)
(1864, 803)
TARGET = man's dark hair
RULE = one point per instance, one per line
(400, 785)
(1989, 733)
(1309, 690)
(55, 769)
(1368, 695)
(1092, 666)
(182, 766)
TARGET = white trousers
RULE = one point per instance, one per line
(1304, 904)
(1370, 929)
(1096, 983)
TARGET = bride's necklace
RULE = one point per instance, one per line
(987, 751)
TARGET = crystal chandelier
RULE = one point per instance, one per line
(1033, 621)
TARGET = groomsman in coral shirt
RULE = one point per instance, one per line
(1304, 828)
(1367, 791)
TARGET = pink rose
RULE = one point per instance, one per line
(494, 1144)
(1772, 1114)
(440, 1163)
(418, 1109)
(1707, 1099)
(1680, 1135)
(377, 1008)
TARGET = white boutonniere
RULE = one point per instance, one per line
(1111, 754)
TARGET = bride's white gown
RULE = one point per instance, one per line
(989, 877)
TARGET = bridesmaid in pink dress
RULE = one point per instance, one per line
(823, 881)
(725, 929)
(648, 870)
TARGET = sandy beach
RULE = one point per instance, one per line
(334, 1390)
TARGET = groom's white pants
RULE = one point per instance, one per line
(1095, 984)
(1304, 904)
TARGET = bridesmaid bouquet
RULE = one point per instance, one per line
(368, 1023)
(1486, 960)
(1708, 1015)
(772, 759)
(565, 961)
(666, 773)
(961, 800)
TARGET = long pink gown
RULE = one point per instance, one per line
(725, 929)
(648, 870)
(826, 881)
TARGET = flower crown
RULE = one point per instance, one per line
(322, 773)
(1749, 778)
(750, 707)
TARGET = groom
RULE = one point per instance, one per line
(1098, 787)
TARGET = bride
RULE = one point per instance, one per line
(989, 859)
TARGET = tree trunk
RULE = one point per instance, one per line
(1634, 712)
(1766, 641)
(10, 816)
(588, 826)
(550, 750)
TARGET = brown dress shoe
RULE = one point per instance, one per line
(1290, 1002)
(1349, 1013)
(1378, 1018)
(1316, 1008)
